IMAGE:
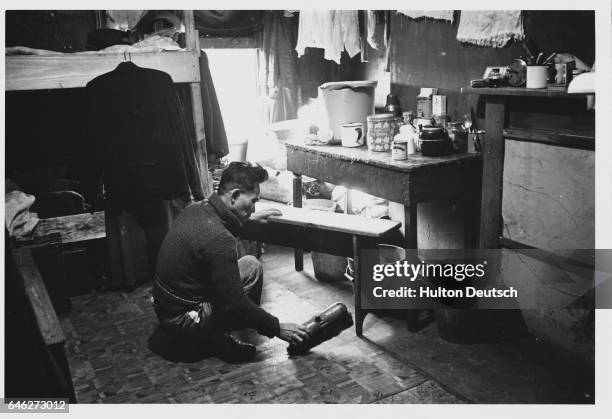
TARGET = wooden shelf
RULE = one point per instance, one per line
(518, 91)
(584, 141)
(61, 71)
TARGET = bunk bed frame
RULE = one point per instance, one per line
(62, 71)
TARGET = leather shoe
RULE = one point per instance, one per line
(229, 349)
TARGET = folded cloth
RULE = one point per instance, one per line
(154, 43)
(446, 15)
(17, 217)
(490, 28)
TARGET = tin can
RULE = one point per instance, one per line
(381, 130)
(399, 151)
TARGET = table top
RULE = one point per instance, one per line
(381, 159)
(520, 91)
(73, 228)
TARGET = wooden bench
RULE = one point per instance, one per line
(48, 323)
(327, 232)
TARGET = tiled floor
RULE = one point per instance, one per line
(111, 363)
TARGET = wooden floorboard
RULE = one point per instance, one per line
(111, 363)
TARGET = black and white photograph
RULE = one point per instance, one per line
(305, 206)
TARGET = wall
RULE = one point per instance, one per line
(426, 53)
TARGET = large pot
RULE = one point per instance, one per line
(347, 102)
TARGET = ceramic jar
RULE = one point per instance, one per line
(381, 130)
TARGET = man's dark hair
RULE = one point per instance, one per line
(244, 176)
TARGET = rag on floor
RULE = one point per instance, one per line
(490, 28)
(445, 15)
(332, 30)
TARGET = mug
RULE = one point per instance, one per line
(537, 76)
(352, 134)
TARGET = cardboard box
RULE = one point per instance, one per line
(424, 102)
(439, 105)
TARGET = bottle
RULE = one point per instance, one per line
(495, 78)
(409, 134)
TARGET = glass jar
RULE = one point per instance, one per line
(496, 79)
(458, 136)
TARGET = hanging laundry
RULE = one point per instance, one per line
(315, 31)
(331, 30)
(214, 127)
(279, 65)
(490, 28)
(348, 21)
(371, 28)
(445, 15)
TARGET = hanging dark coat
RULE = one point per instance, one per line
(137, 139)
(214, 128)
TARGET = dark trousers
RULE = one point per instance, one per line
(184, 327)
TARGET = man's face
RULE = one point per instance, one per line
(244, 204)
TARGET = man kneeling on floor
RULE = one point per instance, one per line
(202, 290)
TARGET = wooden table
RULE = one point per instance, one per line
(409, 182)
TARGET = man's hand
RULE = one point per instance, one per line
(293, 333)
(262, 216)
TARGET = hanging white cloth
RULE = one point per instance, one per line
(315, 30)
(332, 30)
(348, 21)
(445, 15)
(371, 28)
(490, 28)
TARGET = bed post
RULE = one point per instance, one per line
(193, 44)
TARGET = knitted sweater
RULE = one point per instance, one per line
(198, 259)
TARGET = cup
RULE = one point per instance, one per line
(537, 76)
(352, 134)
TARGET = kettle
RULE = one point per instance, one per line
(434, 141)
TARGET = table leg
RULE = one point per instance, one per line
(359, 312)
(297, 202)
(492, 172)
(471, 205)
(410, 220)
